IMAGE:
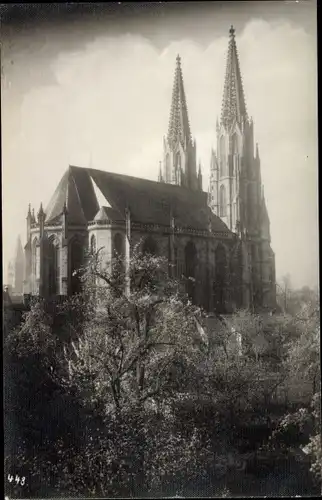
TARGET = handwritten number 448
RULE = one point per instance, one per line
(17, 479)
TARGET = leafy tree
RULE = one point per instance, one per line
(120, 363)
(124, 391)
(301, 429)
(37, 410)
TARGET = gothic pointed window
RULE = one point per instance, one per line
(150, 246)
(118, 244)
(250, 208)
(167, 167)
(222, 202)
(178, 168)
(178, 161)
(76, 261)
(222, 155)
(53, 259)
(220, 282)
(234, 144)
(34, 258)
(93, 245)
(190, 270)
(237, 276)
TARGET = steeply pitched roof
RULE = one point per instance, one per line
(233, 105)
(76, 190)
(149, 202)
(179, 127)
(107, 213)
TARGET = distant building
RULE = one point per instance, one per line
(221, 240)
(16, 271)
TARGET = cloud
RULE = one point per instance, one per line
(112, 100)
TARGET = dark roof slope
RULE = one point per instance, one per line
(76, 190)
(149, 202)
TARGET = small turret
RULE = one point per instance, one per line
(41, 220)
(160, 178)
(213, 161)
(199, 177)
(29, 222)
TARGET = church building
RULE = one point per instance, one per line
(220, 239)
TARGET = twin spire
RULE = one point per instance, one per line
(233, 105)
(179, 127)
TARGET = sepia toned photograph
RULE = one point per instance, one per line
(160, 245)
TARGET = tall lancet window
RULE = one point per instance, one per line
(34, 264)
(222, 157)
(190, 269)
(178, 167)
(234, 144)
(93, 245)
(119, 253)
(222, 202)
(167, 168)
(149, 246)
(76, 261)
(178, 161)
(250, 207)
(119, 244)
(220, 282)
(53, 266)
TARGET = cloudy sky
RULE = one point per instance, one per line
(94, 88)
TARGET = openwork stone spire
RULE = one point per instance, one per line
(179, 127)
(19, 250)
(233, 105)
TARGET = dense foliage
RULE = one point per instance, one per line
(135, 391)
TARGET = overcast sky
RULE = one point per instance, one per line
(95, 89)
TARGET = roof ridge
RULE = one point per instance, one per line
(166, 186)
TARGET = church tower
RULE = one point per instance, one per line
(179, 149)
(235, 183)
(236, 193)
(16, 269)
(10, 276)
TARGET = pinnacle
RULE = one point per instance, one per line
(199, 168)
(41, 211)
(19, 249)
(232, 31)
